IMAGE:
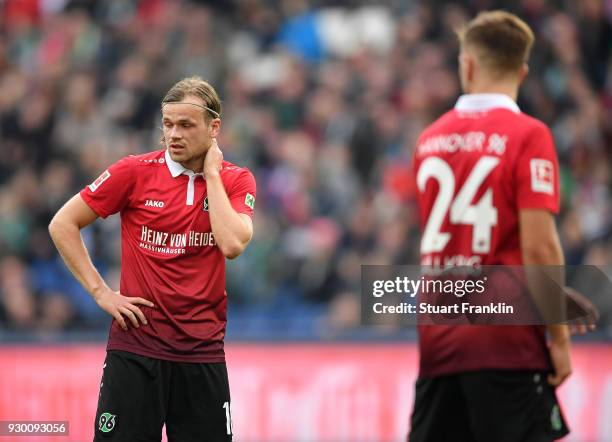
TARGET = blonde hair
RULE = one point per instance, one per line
(501, 41)
(197, 87)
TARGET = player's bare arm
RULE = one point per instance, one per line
(232, 230)
(540, 245)
(65, 230)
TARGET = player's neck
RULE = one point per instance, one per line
(196, 165)
(486, 86)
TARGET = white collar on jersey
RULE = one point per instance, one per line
(177, 169)
(485, 102)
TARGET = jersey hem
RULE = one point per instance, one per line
(165, 356)
(425, 374)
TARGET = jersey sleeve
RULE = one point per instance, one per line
(110, 192)
(537, 173)
(243, 192)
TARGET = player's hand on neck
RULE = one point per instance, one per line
(213, 161)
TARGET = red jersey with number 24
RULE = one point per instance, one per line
(476, 167)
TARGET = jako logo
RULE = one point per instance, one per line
(153, 203)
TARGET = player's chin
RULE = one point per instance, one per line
(178, 153)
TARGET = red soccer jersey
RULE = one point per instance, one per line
(476, 167)
(168, 253)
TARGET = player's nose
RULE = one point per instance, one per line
(175, 133)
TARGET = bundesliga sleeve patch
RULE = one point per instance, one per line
(249, 201)
(542, 176)
(93, 186)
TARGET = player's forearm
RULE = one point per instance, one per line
(544, 251)
(69, 243)
(546, 277)
(559, 333)
(229, 229)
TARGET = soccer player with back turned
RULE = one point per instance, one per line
(183, 211)
(488, 182)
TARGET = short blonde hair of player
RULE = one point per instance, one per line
(197, 87)
(500, 41)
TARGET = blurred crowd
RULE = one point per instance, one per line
(322, 100)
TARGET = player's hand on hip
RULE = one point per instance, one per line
(213, 160)
(121, 307)
(561, 360)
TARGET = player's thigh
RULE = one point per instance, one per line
(439, 411)
(199, 406)
(131, 404)
(511, 406)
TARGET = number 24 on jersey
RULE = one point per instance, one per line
(482, 216)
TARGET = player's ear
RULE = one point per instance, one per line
(214, 127)
(470, 67)
(466, 67)
(523, 71)
(461, 60)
